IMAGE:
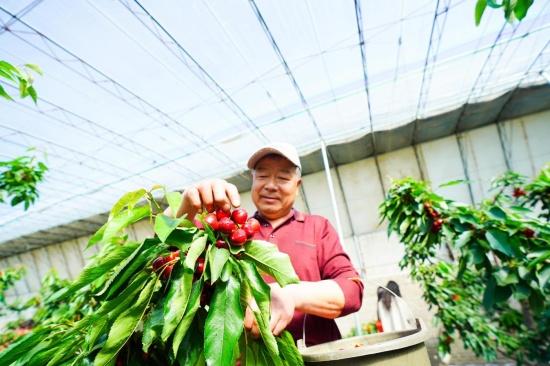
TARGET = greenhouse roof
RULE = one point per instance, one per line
(136, 93)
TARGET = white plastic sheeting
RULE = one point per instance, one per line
(171, 92)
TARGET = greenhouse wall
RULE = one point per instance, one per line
(524, 142)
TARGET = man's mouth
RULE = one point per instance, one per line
(269, 199)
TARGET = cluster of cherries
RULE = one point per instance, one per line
(437, 220)
(236, 225)
(518, 192)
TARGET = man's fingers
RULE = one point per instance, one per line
(255, 330)
(191, 203)
(279, 327)
(248, 319)
(207, 200)
(233, 194)
(275, 319)
(220, 197)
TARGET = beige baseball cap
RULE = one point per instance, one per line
(278, 148)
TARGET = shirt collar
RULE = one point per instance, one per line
(297, 215)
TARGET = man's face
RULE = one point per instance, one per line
(275, 184)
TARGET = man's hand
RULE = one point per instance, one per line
(209, 195)
(283, 305)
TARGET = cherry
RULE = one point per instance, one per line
(220, 214)
(251, 227)
(174, 255)
(221, 244)
(167, 271)
(239, 216)
(200, 265)
(212, 221)
(436, 226)
(456, 297)
(528, 233)
(226, 225)
(238, 237)
(158, 263)
(379, 327)
(518, 192)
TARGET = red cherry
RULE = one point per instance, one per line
(221, 244)
(455, 297)
(238, 237)
(167, 271)
(529, 233)
(226, 225)
(220, 214)
(174, 255)
(436, 226)
(158, 263)
(212, 221)
(518, 192)
(200, 266)
(248, 229)
(254, 225)
(379, 327)
(239, 216)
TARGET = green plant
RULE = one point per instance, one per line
(20, 75)
(19, 178)
(492, 286)
(192, 316)
(513, 9)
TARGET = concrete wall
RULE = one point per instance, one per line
(359, 192)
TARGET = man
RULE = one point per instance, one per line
(329, 285)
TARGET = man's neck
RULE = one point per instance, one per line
(275, 223)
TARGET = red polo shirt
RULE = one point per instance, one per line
(316, 254)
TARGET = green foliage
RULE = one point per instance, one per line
(513, 9)
(493, 286)
(18, 180)
(22, 76)
(173, 299)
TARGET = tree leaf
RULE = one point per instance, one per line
(521, 8)
(217, 257)
(544, 276)
(22, 346)
(190, 311)
(259, 304)
(224, 323)
(152, 328)
(480, 9)
(164, 225)
(197, 247)
(176, 300)
(97, 269)
(127, 200)
(174, 201)
(122, 220)
(499, 240)
(4, 94)
(271, 261)
(288, 350)
(190, 352)
(125, 325)
(463, 238)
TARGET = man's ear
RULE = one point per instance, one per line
(299, 182)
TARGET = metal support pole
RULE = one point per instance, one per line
(336, 214)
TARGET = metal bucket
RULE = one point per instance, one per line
(402, 348)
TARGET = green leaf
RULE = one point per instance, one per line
(97, 269)
(176, 300)
(224, 323)
(259, 303)
(453, 182)
(227, 271)
(190, 311)
(494, 4)
(181, 238)
(32, 93)
(505, 277)
(125, 325)
(497, 213)
(147, 252)
(489, 294)
(165, 225)
(499, 240)
(174, 201)
(152, 327)
(463, 238)
(22, 346)
(35, 68)
(4, 94)
(97, 237)
(190, 352)
(127, 297)
(127, 200)
(122, 220)
(217, 258)
(544, 276)
(197, 247)
(271, 261)
(289, 352)
(521, 8)
(480, 9)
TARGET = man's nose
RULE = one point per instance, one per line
(271, 184)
